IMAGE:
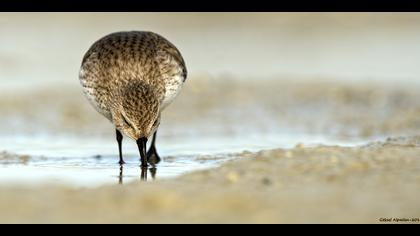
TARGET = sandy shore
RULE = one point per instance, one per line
(328, 184)
(263, 80)
(324, 184)
(226, 105)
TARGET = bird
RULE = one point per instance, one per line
(130, 77)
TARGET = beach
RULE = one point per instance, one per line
(325, 184)
(284, 118)
(353, 182)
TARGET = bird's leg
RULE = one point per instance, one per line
(152, 155)
(119, 140)
(141, 144)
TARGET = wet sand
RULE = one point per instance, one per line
(324, 184)
(319, 93)
(305, 184)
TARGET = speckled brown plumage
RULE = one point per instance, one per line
(130, 77)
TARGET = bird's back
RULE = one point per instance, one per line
(121, 57)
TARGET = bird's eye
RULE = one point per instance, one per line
(126, 121)
(156, 122)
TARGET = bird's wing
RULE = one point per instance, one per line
(170, 59)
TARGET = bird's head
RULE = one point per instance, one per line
(136, 112)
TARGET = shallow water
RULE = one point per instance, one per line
(90, 162)
(294, 47)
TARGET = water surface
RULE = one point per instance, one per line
(90, 162)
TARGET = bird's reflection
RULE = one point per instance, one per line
(120, 177)
(143, 173)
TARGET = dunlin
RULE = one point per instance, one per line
(130, 78)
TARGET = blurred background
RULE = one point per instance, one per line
(353, 72)
(256, 80)
(45, 48)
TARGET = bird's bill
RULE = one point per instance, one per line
(142, 144)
